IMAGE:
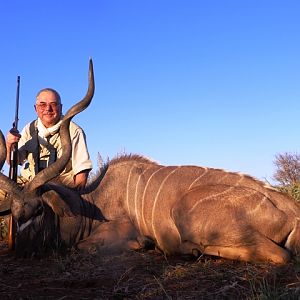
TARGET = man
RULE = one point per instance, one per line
(39, 143)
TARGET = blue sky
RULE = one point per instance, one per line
(211, 83)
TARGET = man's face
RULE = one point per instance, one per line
(48, 108)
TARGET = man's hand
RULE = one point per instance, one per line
(13, 136)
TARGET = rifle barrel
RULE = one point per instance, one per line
(13, 171)
(17, 104)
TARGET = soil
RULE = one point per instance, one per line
(143, 275)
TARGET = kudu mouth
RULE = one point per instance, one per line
(11, 188)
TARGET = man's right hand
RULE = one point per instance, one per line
(13, 136)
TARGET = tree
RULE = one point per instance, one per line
(288, 169)
(287, 174)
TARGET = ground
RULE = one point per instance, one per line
(143, 275)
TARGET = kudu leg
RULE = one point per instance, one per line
(264, 250)
(267, 251)
(113, 236)
(293, 240)
(212, 224)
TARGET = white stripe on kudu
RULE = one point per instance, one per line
(199, 177)
(144, 193)
(137, 211)
(155, 200)
(217, 194)
(127, 190)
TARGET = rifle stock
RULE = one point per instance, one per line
(13, 170)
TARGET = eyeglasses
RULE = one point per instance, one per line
(44, 105)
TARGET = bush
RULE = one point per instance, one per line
(293, 191)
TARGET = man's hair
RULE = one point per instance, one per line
(52, 91)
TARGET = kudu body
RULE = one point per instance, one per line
(182, 209)
(193, 210)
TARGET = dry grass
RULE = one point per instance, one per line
(144, 275)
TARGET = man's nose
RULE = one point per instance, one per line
(48, 107)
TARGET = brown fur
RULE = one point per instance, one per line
(190, 209)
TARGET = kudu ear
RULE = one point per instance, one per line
(59, 207)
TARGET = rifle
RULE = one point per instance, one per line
(13, 169)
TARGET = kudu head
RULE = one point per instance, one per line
(29, 206)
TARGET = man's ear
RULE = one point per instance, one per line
(58, 205)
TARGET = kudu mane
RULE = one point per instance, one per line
(123, 158)
(131, 157)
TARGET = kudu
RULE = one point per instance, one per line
(181, 209)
